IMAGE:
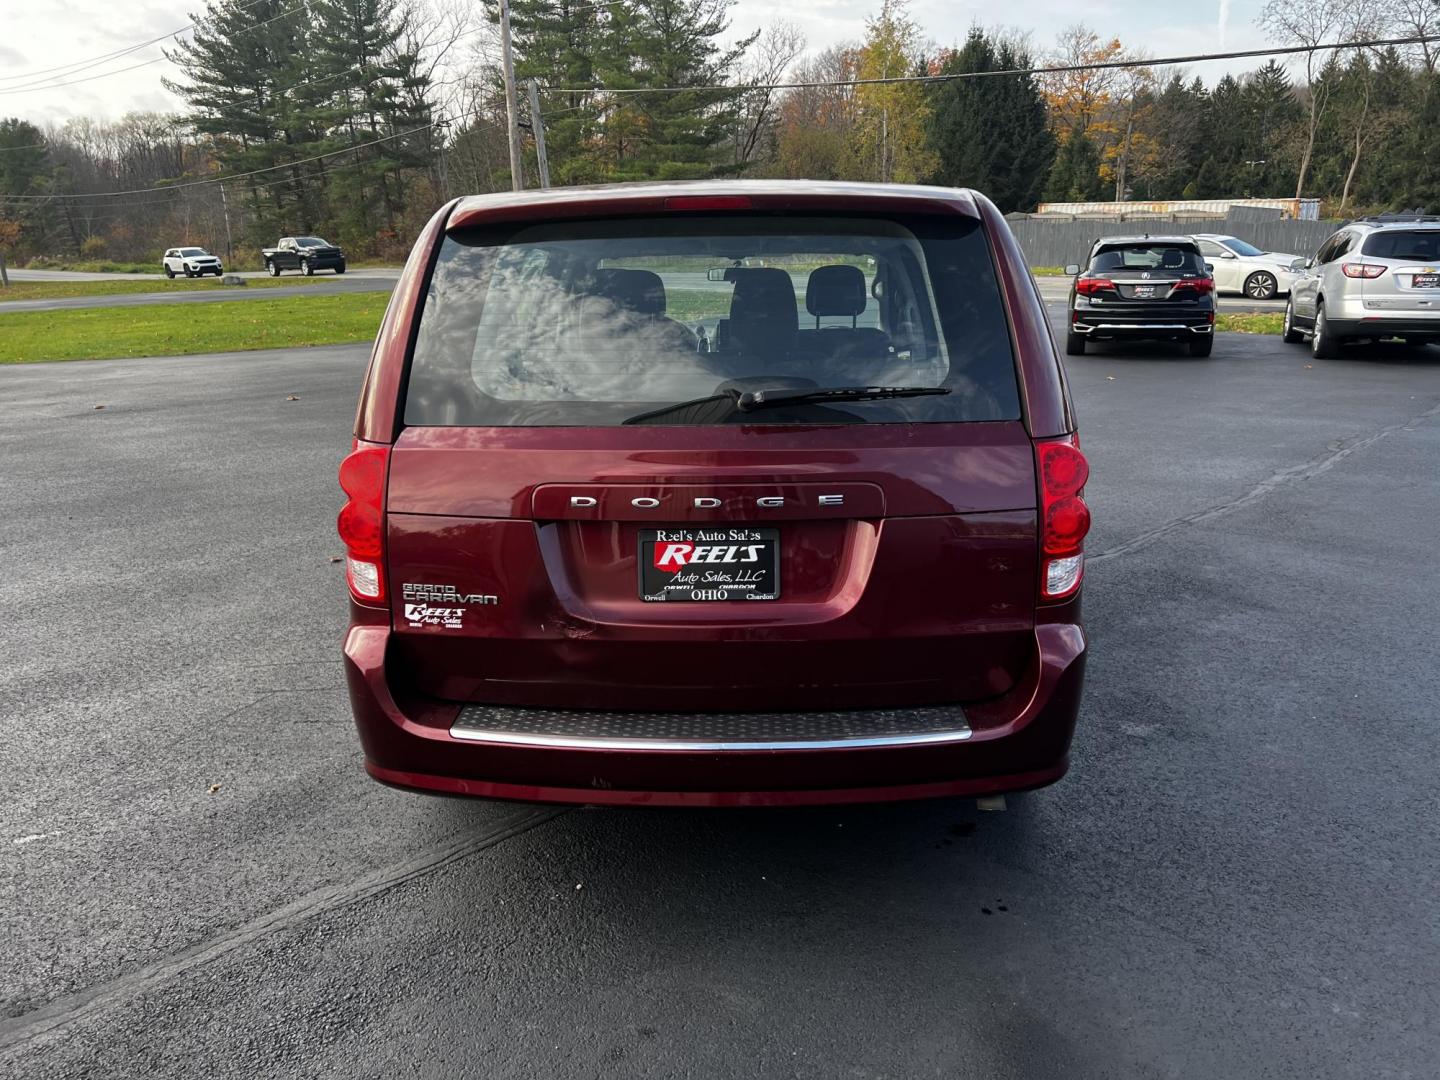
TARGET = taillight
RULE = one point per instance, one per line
(708, 202)
(1202, 286)
(1361, 270)
(1064, 517)
(1089, 286)
(362, 521)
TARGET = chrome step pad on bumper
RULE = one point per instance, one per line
(587, 730)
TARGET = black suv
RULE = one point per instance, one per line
(1142, 288)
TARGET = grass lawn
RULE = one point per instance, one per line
(686, 305)
(60, 290)
(1263, 322)
(179, 329)
(1048, 271)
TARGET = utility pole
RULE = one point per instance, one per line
(512, 109)
(538, 127)
(225, 208)
(442, 129)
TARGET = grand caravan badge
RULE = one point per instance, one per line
(444, 594)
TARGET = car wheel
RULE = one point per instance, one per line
(1288, 333)
(340, 269)
(1261, 285)
(170, 273)
(1074, 344)
(1202, 346)
(306, 268)
(273, 268)
(1322, 343)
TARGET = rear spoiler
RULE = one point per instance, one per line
(646, 200)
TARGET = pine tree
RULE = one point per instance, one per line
(1273, 115)
(1075, 176)
(668, 43)
(991, 134)
(560, 42)
(364, 85)
(245, 68)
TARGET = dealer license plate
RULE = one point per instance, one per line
(709, 563)
(1426, 281)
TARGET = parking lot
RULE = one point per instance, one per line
(1237, 879)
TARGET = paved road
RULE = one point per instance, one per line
(76, 275)
(354, 282)
(367, 279)
(1236, 880)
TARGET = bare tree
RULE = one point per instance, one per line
(1418, 18)
(1310, 24)
(777, 48)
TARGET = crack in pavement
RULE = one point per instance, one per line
(63, 1012)
(1304, 471)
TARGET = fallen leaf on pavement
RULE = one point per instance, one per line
(336, 558)
(1109, 378)
(213, 789)
(293, 397)
(99, 406)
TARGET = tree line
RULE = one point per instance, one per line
(353, 119)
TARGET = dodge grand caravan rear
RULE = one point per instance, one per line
(717, 494)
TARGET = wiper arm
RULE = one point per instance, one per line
(732, 401)
(729, 397)
(769, 399)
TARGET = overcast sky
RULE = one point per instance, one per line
(42, 34)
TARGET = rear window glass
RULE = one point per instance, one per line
(1422, 245)
(597, 323)
(1181, 259)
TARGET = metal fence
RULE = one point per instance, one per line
(1056, 241)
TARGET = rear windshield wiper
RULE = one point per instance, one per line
(750, 400)
(769, 399)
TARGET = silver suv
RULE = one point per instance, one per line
(1375, 278)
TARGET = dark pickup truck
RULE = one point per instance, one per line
(304, 253)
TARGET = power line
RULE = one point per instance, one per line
(27, 146)
(74, 82)
(226, 179)
(77, 66)
(43, 84)
(1057, 69)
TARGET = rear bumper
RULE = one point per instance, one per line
(1399, 324)
(1155, 322)
(1018, 741)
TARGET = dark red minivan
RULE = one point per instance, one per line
(720, 494)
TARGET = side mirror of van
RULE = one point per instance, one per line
(1072, 270)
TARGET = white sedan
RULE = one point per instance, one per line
(1243, 268)
(190, 261)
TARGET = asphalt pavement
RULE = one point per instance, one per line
(1237, 879)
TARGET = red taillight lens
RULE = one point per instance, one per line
(708, 202)
(1064, 517)
(1202, 286)
(362, 518)
(1089, 286)
(1361, 270)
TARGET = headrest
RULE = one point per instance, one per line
(640, 291)
(835, 290)
(1173, 259)
(763, 315)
